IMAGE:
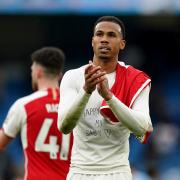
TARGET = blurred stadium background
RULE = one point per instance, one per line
(153, 45)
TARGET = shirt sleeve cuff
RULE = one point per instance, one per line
(109, 102)
(84, 93)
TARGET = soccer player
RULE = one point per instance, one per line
(46, 150)
(102, 103)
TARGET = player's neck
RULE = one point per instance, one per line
(45, 84)
(108, 66)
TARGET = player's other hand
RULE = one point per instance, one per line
(93, 76)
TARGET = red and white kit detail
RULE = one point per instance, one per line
(47, 151)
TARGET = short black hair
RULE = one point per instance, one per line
(114, 20)
(51, 58)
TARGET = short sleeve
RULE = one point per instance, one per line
(14, 119)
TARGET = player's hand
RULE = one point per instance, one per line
(93, 76)
(103, 89)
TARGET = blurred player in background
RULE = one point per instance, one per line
(46, 150)
(103, 102)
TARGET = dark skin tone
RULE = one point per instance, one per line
(107, 43)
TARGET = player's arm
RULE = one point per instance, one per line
(137, 119)
(71, 104)
(72, 101)
(11, 124)
(4, 140)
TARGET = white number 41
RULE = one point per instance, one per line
(52, 147)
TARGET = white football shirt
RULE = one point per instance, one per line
(99, 147)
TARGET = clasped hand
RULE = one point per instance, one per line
(95, 77)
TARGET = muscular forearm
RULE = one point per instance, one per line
(68, 119)
(136, 121)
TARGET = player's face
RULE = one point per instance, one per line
(107, 40)
(34, 76)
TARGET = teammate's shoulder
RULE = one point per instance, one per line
(31, 97)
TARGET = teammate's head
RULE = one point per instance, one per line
(111, 19)
(47, 62)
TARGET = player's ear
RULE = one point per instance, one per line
(122, 44)
(60, 76)
(39, 73)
